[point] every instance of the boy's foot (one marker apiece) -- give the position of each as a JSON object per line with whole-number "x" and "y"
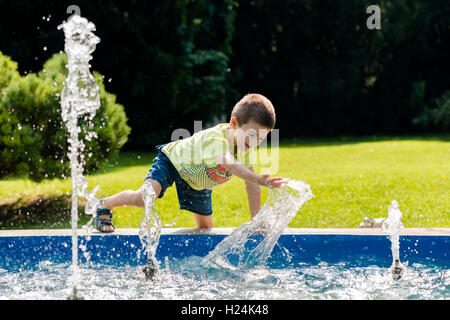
{"x": 103, "y": 220}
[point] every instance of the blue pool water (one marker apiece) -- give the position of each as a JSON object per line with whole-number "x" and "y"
{"x": 303, "y": 266}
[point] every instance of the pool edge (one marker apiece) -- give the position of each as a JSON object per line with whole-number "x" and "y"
{"x": 225, "y": 231}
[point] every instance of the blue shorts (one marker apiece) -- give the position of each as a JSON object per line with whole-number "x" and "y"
{"x": 163, "y": 171}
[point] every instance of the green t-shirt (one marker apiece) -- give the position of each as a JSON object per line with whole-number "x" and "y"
{"x": 194, "y": 157}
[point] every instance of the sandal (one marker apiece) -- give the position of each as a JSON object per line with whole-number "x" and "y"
{"x": 101, "y": 223}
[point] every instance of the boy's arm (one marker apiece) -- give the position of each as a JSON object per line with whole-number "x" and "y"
{"x": 238, "y": 169}
{"x": 254, "y": 197}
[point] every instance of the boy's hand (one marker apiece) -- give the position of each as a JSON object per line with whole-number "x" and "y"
{"x": 274, "y": 182}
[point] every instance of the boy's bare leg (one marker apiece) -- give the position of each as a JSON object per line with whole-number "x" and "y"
{"x": 203, "y": 221}
{"x": 127, "y": 198}
{"x": 124, "y": 199}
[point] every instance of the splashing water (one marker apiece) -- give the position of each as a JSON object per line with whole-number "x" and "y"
{"x": 79, "y": 97}
{"x": 252, "y": 242}
{"x": 392, "y": 225}
{"x": 149, "y": 229}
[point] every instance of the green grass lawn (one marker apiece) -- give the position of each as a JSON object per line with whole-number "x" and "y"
{"x": 350, "y": 179}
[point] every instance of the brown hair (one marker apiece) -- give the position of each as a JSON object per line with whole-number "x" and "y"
{"x": 255, "y": 107}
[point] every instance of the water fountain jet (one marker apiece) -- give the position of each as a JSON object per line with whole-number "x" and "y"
{"x": 392, "y": 225}
{"x": 79, "y": 97}
{"x": 149, "y": 230}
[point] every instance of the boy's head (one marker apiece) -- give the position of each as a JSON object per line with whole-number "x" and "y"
{"x": 254, "y": 116}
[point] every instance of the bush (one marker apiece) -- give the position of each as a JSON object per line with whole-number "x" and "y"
{"x": 33, "y": 137}
{"x": 436, "y": 118}
{"x": 8, "y": 71}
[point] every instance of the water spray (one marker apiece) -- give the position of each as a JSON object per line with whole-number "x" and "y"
{"x": 79, "y": 97}
{"x": 392, "y": 225}
{"x": 149, "y": 229}
{"x": 263, "y": 231}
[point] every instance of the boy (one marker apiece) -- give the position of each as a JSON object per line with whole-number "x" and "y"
{"x": 204, "y": 160}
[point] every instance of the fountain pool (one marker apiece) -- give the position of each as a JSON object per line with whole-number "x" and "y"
{"x": 304, "y": 264}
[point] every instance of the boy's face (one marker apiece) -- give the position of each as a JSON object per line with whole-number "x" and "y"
{"x": 249, "y": 135}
